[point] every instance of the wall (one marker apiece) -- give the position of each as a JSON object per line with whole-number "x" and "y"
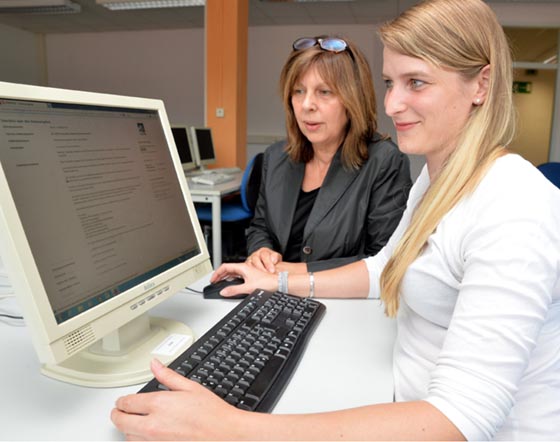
{"x": 527, "y": 13}
{"x": 535, "y": 115}
{"x": 22, "y": 59}
{"x": 154, "y": 64}
{"x": 536, "y": 14}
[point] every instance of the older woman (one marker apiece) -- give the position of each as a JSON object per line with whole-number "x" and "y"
{"x": 335, "y": 190}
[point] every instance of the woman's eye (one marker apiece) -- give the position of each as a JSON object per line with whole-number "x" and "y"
{"x": 415, "y": 84}
{"x": 388, "y": 83}
{"x": 324, "y": 92}
{"x": 297, "y": 92}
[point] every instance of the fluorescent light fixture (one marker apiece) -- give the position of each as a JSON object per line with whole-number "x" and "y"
{"x": 39, "y": 7}
{"x": 116, "y": 5}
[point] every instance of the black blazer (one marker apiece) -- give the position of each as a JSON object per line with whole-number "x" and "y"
{"x": 354, "y": 214}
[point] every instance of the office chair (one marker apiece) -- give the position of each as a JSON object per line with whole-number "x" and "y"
{"x": 551, "y": 171}
{"x": 239, "y": 211}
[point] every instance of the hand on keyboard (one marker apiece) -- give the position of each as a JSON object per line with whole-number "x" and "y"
{"x": 212, "y": 179}
{"x": 248, "y": 357}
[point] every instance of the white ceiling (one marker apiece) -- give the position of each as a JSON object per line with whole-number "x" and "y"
{"x": 95, "y": 18}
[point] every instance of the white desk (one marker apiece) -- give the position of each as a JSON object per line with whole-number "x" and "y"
{"x": 202, "y": 193}
{"x": 346, "y": 364}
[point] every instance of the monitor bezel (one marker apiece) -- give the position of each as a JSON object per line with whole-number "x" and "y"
{"x": 187, "y": 167}
{"x": 50, "y": 338}
{"x": 199, "y": 161}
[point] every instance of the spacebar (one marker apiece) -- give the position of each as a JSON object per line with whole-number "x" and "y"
{"x": 265, "y": 378}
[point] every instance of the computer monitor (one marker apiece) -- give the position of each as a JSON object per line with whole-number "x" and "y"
{"x": 96, "y": 228}
{"x": 203, "y": 146}
{"x": 181, "y": 138}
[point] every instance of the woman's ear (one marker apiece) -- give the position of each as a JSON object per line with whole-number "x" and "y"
{"x": 482, "y": 82}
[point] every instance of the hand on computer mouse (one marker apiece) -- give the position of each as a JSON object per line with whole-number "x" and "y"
{"x": 253, "y": 279}
{"x": 212, "y": 290}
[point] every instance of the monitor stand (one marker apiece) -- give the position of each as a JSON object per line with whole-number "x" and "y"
{"x": 197, "y": 172}
{"x": 123, "y": 357}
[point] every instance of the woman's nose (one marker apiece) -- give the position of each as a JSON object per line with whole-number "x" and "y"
{"x": 394, "y": 102}
{"x": 308, "y": 102}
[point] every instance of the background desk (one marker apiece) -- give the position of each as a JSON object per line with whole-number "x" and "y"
{"x": 353, "y": 332}
{"x": 203, "y": 193}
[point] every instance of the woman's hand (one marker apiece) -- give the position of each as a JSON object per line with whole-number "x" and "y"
{"x": 265, "y": 259}
{"x": 253, "y": 279}
{"x": 187, "y": 412}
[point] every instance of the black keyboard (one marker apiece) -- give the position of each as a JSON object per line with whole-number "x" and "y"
{"x": 249, "y": 356}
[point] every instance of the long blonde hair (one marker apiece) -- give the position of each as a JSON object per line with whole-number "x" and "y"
{"x": 349, "y": 76}
{"x": 464, "y": 36}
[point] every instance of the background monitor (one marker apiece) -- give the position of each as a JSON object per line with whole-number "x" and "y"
{"x": 96, "y": 228}
{"x": 203, "y": 146}
{"x": 181, "y": 138}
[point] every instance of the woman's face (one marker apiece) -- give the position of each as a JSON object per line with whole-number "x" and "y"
{"x": 429, "y": 106}
{"x": 320, "y": 115}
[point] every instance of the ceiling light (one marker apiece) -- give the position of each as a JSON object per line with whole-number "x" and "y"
{"x": 116, "y": 5}
{"x": 38, "y": 7}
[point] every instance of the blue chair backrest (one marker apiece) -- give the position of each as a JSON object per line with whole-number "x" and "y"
{"x": 250, "y": 182}
{"x": 551, "y": 171}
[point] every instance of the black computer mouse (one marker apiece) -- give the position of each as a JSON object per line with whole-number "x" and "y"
{"x": 212, "y": 291}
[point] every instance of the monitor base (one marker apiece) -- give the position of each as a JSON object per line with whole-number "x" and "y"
{"x": 123, "y": 358}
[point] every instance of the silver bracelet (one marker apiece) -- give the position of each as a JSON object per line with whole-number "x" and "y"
{"x": 311, "y": 285}
{"x": 283, "y": 282}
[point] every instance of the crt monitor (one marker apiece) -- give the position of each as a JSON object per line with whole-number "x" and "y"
{"x": 181, "y": 138}
{"x": 203, "y": 146}
{"x": 96, "y": 228}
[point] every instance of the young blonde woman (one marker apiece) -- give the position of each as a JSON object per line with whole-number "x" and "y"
{"x": 471, "y": 272}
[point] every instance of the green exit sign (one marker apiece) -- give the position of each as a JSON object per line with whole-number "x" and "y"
{"x": 522, "y": 87}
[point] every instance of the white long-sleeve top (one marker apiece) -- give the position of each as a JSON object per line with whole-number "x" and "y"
{"x": 479, "y": 316}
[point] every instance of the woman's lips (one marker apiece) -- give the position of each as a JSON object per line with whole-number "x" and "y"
{"x": 311, "y": 126}
{"x": 404, "y": 126}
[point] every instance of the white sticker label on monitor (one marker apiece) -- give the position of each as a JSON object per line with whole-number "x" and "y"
{"x": 172, "y": 344}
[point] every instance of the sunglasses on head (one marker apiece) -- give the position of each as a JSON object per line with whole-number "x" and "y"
{"x": 331, "y": 44}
